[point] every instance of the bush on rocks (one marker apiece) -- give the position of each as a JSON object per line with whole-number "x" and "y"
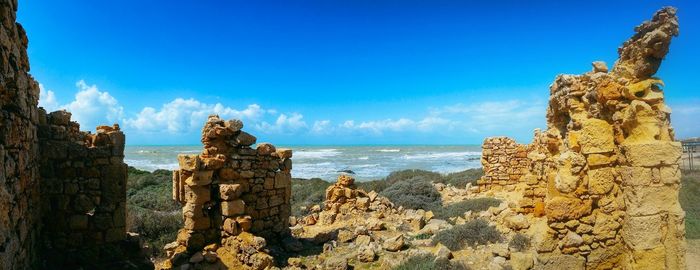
{"x": 519, "y": 242}
{"x": 413, "y": 193}
{"x": 459, "y": 208}
{"x": 429, "y": 262}
{"x": 472, "y": 233}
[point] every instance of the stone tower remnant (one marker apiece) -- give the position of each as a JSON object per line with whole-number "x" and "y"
{"x": 229, "y": 192}
{"x": 606, "y": 171}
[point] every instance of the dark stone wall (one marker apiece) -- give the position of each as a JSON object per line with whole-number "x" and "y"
{"x": 83, "y": 192}
{"x": 19, "y": 184}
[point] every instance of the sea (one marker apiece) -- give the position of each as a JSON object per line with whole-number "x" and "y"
{"x": 327, "y": 162}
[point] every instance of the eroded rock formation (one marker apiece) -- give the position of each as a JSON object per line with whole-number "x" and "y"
{"x": 606, "y": 172}
{"x": 230, "y": 193}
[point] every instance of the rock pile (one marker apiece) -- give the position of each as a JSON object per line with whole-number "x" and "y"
{"x": 344, "y": 199}
{"x": 605, "y": 174}
{"x": 229, "y": 192}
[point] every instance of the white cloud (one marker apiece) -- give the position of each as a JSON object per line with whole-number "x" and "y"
{"x": 492, "y": 115}
{"x": 380, "y": 126}
{"x": 93, "y": 107}
{"x": 284, "y": 124}
{"x": 184, "y": 115}
{"x": 47, "y": 99}
{"x": 90, "y": 107}
{"x": 322, "y": 127}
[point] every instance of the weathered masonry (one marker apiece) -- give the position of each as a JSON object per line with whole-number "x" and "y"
{"x": 229, "y": 193}
{"x": 62, "y": 191}
{"x": 606, "y": 172}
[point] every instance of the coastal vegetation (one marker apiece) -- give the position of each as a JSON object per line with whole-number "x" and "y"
{"x": 151, "y": 211}
{"x": 156, "y": 217}
{"x": 689, "y": 197}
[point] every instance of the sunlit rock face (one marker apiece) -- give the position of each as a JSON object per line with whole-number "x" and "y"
{"x": 606, "y": 170}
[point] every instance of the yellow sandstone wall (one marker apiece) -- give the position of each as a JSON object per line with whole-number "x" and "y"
{"x": 229, "y": 192}
{"x": 606, "y": 172}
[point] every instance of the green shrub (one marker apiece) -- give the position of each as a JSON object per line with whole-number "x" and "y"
{"x": 689, "y": 198}
{"x": 460, "y": 179}
{"x": 519, "y": 242}
{"x": 403, "y": 175}
{"x": 429, "y": 262}
{"x": 156, "y": 228}
{"x": 307, "y": 192}
{"x": 413, "y": 193}
{"x": 151, "y": 211}
{"x": 472, "y": 233}
{"x": 423, "y": 236}
{"x": 376, "y": 185}
{"x": 459, "y": 208}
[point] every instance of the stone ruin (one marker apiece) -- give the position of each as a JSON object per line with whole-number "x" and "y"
{"x": 504, "y": 161}
{"x": 230, "y": 192}
{"x": 605, "y": 174}
{"x": 62, "y": 191}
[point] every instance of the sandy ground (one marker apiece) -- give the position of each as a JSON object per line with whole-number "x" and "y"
{"x": 692, "y": 257}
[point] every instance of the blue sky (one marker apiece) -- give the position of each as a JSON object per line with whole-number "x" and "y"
{"x": 336, "y": 72}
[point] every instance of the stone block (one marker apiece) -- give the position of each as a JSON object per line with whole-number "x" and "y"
{"x": 265, "y": 149}
{"x": 601, "y": 181}
{"x": 276, "y": 200}
{"x": 644, "y": 232}
{"x": 193, "y": 210}
{"x": 596, "y": 136}
{"x": 670, "y": 174}
{"x": 284, "y": 153}
{"x": 269, "y": 183}
{"x": 232, "y": 208}
{"x": 565, "y": 208}
{"x": 650, "y": 200}
{"x": 635, "y": 176}
{"x": 283, "y": 179}
{"x": 229, "y": 192}
{"x": 200, "y": 178}
{"x": 560, "y": 262}
{"x": 176, "y": 186}
{"x": 200, "y": 223}
{"x": 245, "y": 139}
{"x": 648, "y": 259}
{"x": 231, "y": 227}
{"x": 189, "y": 162}
{"x": 197, "y": 194}
{"x": 598, "y": 159}
{"x": 228, "y": 174}
{"x": 652, "y": 154}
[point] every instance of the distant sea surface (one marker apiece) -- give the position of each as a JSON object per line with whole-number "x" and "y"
{"x": 326, "y": 162}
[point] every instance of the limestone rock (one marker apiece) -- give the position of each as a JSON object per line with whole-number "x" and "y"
{"x": 395, "y": 243}
{"x": 565, "y": 208}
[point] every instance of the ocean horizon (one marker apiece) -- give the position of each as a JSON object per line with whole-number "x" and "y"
{"x": 365, "y": 162}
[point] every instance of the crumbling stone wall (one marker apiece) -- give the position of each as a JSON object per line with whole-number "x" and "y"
{"x": 62, "y": 191}
{"x": 19, "y": 171}
{"x": 83, "y": 192}
{"x": 230, "y": 191}
{"x": 504, "y": 162}
{"x": 607, "y": 168}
